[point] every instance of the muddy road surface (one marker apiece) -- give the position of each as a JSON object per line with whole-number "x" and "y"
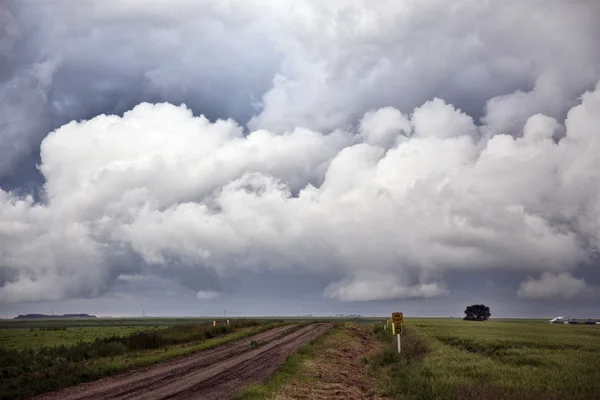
{"x": 210, "y": 374}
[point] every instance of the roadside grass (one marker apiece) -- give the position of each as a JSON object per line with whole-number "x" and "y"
{"x": 334, "y": 365}
{"x": 453, "y": 359}
{"x": 28, "y": 372}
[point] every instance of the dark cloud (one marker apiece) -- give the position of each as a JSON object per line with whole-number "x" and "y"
{"x": 61, "y": 62}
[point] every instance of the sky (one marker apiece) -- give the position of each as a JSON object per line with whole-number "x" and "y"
{"x": 279, "y": 157}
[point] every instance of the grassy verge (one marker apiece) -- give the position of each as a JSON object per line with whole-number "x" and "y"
{"x": 287, "y": 371}
{"x": 333, "y": 366}
{"x": 27, "y": 373}
{"x": 402, "y": 375}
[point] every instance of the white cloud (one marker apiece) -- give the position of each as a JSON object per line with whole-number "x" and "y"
{"x": 384, "y": 127}
{"x": 160, "y": 191}
{"x": 207, "y": 294}
{"x": 561, "y": 285}
{"x": 438, "y": 119}
{"x": 381, "y": 288}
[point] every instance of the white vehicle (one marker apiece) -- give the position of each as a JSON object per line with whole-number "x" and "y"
{"x": 559, "y": 320}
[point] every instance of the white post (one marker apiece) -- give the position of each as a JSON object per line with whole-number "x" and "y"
{"x": 399, "y": 347}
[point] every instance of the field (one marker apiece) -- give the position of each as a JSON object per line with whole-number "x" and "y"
{"x": 441, "y": 358}
{"x": 98, "y": 322}
{"x": 38, "y": 333}
{"x": 455, "y": 359}
{"x": 36, "y": 338}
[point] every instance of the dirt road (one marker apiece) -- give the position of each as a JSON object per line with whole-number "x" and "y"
{"x": 211, "y": 374}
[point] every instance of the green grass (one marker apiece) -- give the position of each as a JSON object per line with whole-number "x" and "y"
{"x": 494, "y": 360}
{"x": 35, "y": 338}
{"x": 99, "y": 322}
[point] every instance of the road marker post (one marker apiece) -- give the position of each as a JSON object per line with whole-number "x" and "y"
{"x": 397, "y": 322}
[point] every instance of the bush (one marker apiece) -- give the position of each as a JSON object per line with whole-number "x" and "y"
{"x": 111, "y": 349}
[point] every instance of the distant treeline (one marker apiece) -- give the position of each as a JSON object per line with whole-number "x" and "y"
{"x": 44, "y": 316}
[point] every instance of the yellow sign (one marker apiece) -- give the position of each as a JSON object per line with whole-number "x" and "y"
{"x": 397, "y": 321}
{"x": 397, "y": 318}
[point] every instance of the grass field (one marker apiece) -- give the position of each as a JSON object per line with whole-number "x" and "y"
{"x": 35, "y": 323}
{"x": 455, "y": 359}
{"x": 35, "y": 338}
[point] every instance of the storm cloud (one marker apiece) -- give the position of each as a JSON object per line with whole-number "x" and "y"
{"x": 381, "y": 146}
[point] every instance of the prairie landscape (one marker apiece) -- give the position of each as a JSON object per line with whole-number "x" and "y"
{"x": 304, "y": 169}
{"x": 441, "y": 358}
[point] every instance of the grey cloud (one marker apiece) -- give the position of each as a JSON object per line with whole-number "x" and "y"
{"x": 562, "y": 285}
{"x": 290, "y": 64}
{"x": 62, "y": 61}
{"x": 474, "y": 55}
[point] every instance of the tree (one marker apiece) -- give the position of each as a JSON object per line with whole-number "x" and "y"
{"x": 477, "y": 312}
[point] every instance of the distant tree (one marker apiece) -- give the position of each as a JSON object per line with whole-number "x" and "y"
{"x": 477, "y": 312}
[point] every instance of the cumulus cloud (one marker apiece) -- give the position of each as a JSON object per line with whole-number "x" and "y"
{"x": 162, "y": 191}
{"x": 386, "y": 144}
{"x": 207, "y": 294}
{"x": 386, "y": 287}
{"x": 562, "y": 285}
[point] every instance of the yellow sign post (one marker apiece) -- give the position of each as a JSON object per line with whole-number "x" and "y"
{"x": 397, "y": 321}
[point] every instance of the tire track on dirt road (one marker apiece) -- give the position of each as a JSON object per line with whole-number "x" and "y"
{"x": 110, "y": 387}
{"x": 211, "y": 374}
{"x": 247, "y": 368}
